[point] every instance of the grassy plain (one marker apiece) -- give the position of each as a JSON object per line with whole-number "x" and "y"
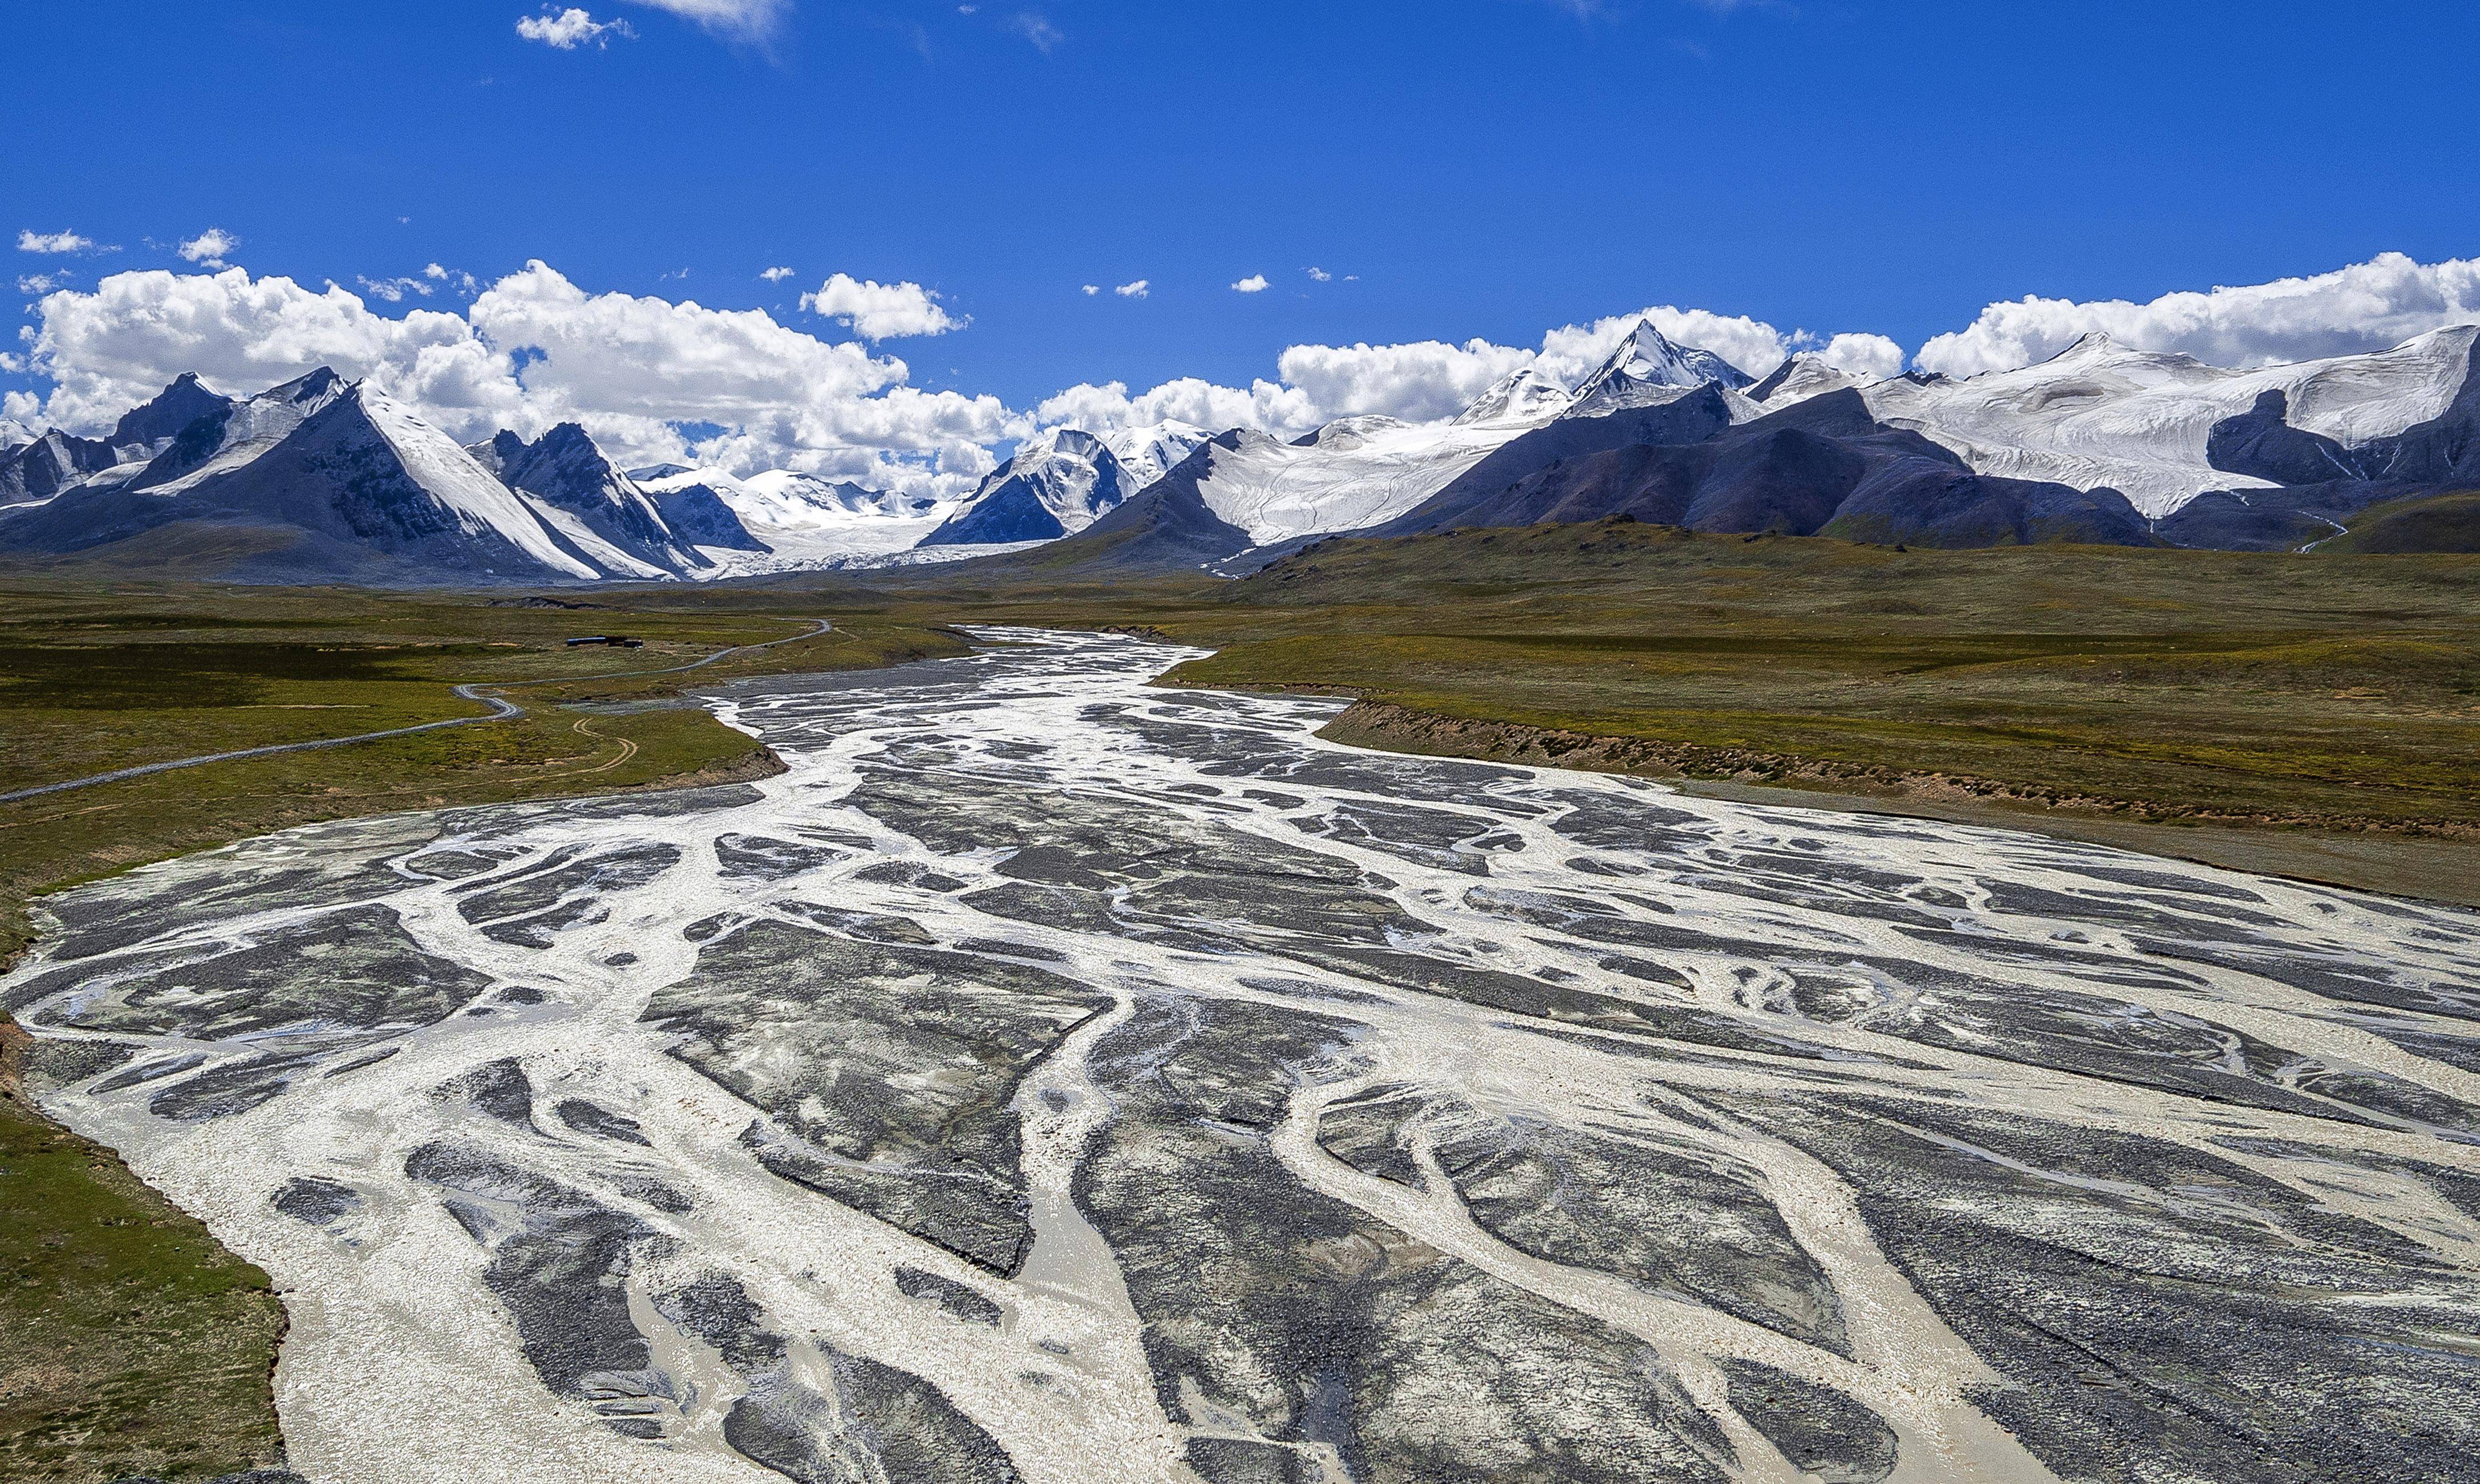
{"x": 2315, "y": 713}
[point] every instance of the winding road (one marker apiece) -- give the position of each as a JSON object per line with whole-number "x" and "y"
{"x": 502, "y": 710}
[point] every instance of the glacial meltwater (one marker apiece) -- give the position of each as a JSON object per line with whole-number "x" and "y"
{"x": 1059, "y": 1078}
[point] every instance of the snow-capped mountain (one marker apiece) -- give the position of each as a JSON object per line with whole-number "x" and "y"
{"x": 1524, "y": 397}
{"x": 2103, "y": 443}
{"x": 596, "y": 505}
{"x": 1244, "y": 488}
{"x": 1801, "y": 377}
{"x": 1647, "y": 370}
{"x": 1355, "y": 473}
{"x": 233, "y": 435}
{"x": 691, "y": 501}
{"x": 1147, "y": 453}
{"x": 2142, "y": 421}
{"x": 40, "y": 468}
{"x": 791, "y": 519}
{"x": 1820, "y": 466}
{"x": 36, "y": 467}
{"x": 157, "y": 421}
{"x": 1363, "y": 471}
{"x": 336, "y": 479}
{"x": 1057, "y": 483}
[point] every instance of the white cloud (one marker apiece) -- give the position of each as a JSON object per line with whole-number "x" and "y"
{"x": 1133, "y": 290}
{"x": 1418, "y": 382}
{"x": 1092, "y": 289}
{"x": 1871, "y": 355}
{"x": 110, "y": 349}
{"x": 393, "y": 290}
{"x": 54, "y": 241}
{"x": 742, "y": 17}
{"x": 881, "y": 311}
{"x": 1036, "y": 27}
{"x": 569, "y": 28}
{"x": 433, "y": 271}
{"x": 1255, "y": 283}
{"x": 2367, "y": 306}
{"x": 776, "y": 274}
{"x": 209, "y": 248}
{"x": 532, "y": 351}
{"x": 41, "y": 282}
{"x": 1263, "y": 404}
{"x": 1319, "y": 274}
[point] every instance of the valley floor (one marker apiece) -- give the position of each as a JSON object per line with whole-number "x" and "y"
{"x": 1051, "y": 1076}
{"x": 2312, "y": 716}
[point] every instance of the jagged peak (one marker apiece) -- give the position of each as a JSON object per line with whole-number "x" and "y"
{"x": 319, "y": 382}
{"x": 1649, "y": 358}
{"x": 1524, "y": 393}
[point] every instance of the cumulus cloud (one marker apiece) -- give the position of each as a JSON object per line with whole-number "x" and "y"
{"x": 2367, "y": 306}
{"x": 1869, "y": 355}
{"x": 776, "y": 274}
{"x": 1092, "y": 289}
{"x": 567, "y": 30}
{"x": 1134, "y": 291}
{"x": 653, "y": 380}
{"x": 1255, "y": 283}
{"x": 433, "y": 271}
{"x": 54, "y": 241}
{"x": 110, "y": 349}
{"x": 41, "y": 282}
{"x": 881, "y": 311}
{"x": 1262, "y": 405}
{"x": 1319, "y": 274}
{"x": 1419, "y": 381}
{"x": 209, "y": 248}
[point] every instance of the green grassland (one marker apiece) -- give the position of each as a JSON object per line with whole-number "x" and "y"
{"x": 2428, "y": 523}
{"x": 2310, "y": 713}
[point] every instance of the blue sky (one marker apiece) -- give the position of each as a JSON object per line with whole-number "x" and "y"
{"x": 1487, "y": 169}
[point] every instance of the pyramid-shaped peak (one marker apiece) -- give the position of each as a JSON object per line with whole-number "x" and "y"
{"x": 184, "y": 400}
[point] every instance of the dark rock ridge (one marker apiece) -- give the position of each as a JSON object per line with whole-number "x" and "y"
{"x": 1168, "y": 525}
{"x": 1821, "y": 467}
{"x": 1034, "y": 496}
{"x": 178, "y": 405}
{"x": 566, "y": 469}
{"x": 697, "y": 514}
{"x": 37, "y": 470}
{"x": 2325, "y": 483}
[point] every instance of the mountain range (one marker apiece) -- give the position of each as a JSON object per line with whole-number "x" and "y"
{"x": 325, "y": 480}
